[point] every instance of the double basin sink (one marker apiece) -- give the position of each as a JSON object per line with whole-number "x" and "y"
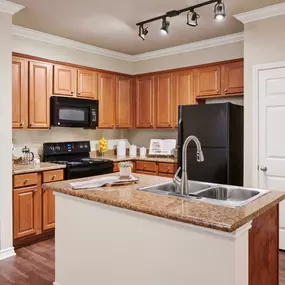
{"x": 224, "y": 195}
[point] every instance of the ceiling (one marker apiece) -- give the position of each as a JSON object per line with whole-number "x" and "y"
{"x": 113, "y": 26}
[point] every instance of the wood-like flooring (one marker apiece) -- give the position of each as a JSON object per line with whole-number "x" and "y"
{"x": 34, "y": 265}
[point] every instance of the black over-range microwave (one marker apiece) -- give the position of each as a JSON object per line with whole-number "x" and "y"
{"x": 73, "y": 112}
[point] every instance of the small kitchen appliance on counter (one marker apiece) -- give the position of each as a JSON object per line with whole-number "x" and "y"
{"x": 27, "y": 156}
{"x": 75, "y": 155}
{"x": 121, "y": 148}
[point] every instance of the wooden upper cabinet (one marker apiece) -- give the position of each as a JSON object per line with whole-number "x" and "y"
{"x": 87, "y": 84}
{"x": 123, "y": 102}
{"x": 26, "y": 211}
{"x": 64, "y": 80}
{"x": 183, "y": 91}
{"x": 144, "y": 102}
{"x": 207, "y": 81}
{"x": 232, "y": 78}
{"x": 107, "y": 100}
{"x": 40, "y": 89}
{"x": 20, "y": 93}
{"x": 163, "y": 97}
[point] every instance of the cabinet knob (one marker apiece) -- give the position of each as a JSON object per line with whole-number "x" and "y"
{"x": 21, "y": 124}
{"x": 35, "y": 191}
{"x": 168, "y": 169}
{"x": 112, "y": 125}
{"x": 26, "y": 181}
{"x": 31, "y": 124}
{"x": 151, "y": 124}
{"x": 226, "y": 90}
{"x": 71, "y": 92}
{"x": 118, "y": 125}
{"x": 176, "y": 126}
{"x": 218, "y": 91}
{"x": 79, "y": 93}
{"x": 169, "y": 125}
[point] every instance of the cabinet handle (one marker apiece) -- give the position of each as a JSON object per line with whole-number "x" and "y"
{"x": 26, "y": 181}
{"x": 53, "y": 177}
{"x": 226, "y": 90}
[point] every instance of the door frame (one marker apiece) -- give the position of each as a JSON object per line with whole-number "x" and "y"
{"x": 256, "y": 69}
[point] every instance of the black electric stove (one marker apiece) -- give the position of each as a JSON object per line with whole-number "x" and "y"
{"x": 75, "y": 155}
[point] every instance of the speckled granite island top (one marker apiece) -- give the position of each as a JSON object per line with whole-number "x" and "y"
{"x": 187, "y": 211}
{"x": 44, "y": 166}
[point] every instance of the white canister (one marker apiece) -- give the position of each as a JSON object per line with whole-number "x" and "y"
{"x": 133, "y": 150}
{"x": 121, "y": 148}
{"x": 142, "y": 152}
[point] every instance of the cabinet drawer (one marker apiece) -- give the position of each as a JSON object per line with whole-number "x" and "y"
{"x": 53, "y": 175}
{"x": 146, "y": 172}
{"x": 23, "y": 180}
{"x": 167, "y": 168}
{"x": 146, "y": 166}
{"x": 170, "y": 175}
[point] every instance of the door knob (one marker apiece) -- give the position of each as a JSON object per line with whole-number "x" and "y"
{"x": 263, "y": 168}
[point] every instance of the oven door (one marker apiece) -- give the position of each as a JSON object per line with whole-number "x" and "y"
{"x": 70, "y": 113}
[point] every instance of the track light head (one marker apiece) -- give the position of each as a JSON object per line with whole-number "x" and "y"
{"x": 142, "y": 32}
{"x": 164, "y": 27}
{"x": 220, "y": 11}
{"x": 192, "y": 18}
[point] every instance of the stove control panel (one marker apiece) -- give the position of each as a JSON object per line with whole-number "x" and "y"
{"x": 66, "y": 148}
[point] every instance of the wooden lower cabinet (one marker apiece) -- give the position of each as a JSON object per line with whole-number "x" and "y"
{"x": 26, "y": 211}
{"x": 48, "y": 209}
{"x": 33, "y": 207}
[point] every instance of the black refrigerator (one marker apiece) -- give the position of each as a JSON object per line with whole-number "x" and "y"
{"x": 219, "y": 127}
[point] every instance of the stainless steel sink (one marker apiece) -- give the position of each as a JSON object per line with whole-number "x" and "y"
{"x": 169, "y": 188}
{"x": 224, "y": 195}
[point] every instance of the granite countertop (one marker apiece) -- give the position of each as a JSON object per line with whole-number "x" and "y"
{"x": 188, "y": 211}
{"x": 132, "y": 158}
{"x": 22, "y": 169}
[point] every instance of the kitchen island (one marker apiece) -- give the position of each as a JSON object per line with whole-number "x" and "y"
{"x": 117, "y": 235}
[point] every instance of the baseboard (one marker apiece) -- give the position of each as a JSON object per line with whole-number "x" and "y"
{"x": 282, "y": 239}
{"x": 6, "y": 253}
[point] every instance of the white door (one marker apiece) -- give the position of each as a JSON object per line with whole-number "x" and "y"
{"x": 272, "y": 136}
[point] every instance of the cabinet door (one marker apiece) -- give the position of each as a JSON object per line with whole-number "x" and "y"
{"x": 48, "y": 209}
{"x": 107, "y": 100}
{"x": 123, "y": 102}
{"x": 183, "y": 92}
{"x": 87, "y": 84}
{"x": 26, "y": 211}
{"x": 163, "y": 97}
{"x": 144, "y": 102}
{"x": 232, "y": 77}
{"x": 208, "y": 81}
{"x": 64, "y": 80}
{"x": 40, "y": 81}
{"x": 20, "y": 93}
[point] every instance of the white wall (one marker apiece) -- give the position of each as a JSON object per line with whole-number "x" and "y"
{"x": 60, "y": 53}
{"x": 214, "y": 54}
{"x": 264, "y": 42}
{"x": 6, "y": 241}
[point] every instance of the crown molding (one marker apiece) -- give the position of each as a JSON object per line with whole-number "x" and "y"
{"x": 60, "y": 41}
{"x": 262, "y": 13}
{"x": 43, "y": 37}
{"x": 10, "y": 7}
{"x": 233, "y": 38}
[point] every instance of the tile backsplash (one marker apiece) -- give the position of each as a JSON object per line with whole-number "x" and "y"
{"x": 34, "y": 139}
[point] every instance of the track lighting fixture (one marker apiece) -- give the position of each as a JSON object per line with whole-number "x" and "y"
{"x": 164, "y": 27}
{"x": 220, "y": 11}
{"x": 192, "y": 16}
{"x": 142, "y": 32}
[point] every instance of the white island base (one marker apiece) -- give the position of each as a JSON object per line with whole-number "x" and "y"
{"x": 97, "y": 244}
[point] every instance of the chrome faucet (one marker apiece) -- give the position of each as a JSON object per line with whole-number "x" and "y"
{"x": 181, "y": 185}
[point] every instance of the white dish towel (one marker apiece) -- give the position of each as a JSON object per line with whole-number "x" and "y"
{"x": 99, "y": 182}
